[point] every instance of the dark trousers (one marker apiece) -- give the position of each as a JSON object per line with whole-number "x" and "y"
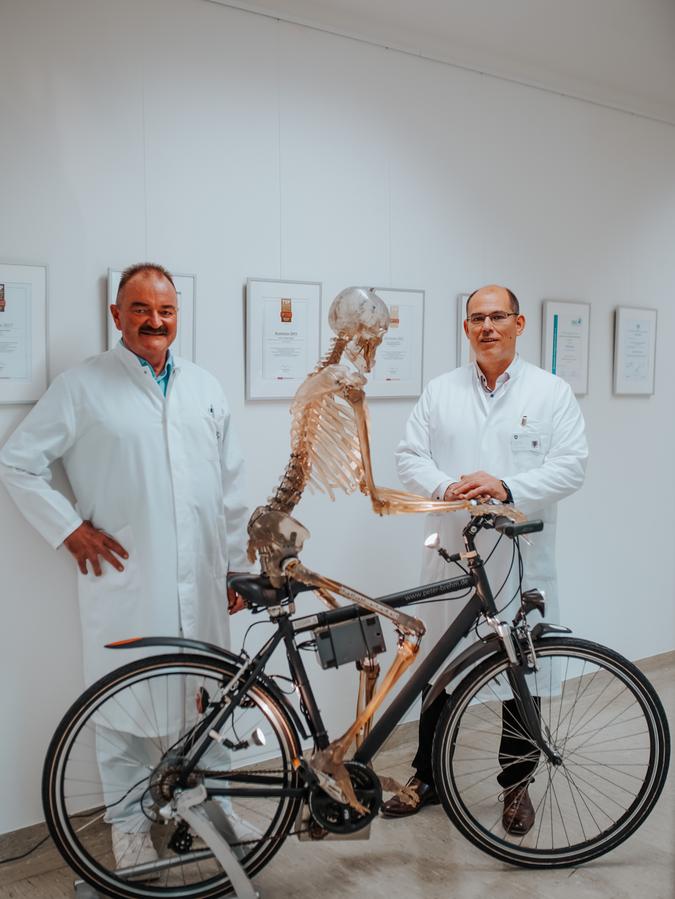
{"x": 517, "y": 756}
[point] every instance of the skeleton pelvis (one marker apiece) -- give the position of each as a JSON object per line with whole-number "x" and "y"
{"x": 275, "y": 536}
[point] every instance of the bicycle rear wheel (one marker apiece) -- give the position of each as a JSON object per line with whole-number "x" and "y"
{"x": 116, "y": 757}
{"x": 602, "y": 716}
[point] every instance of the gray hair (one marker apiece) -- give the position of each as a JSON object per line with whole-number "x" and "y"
{"x": 142, "y": 268}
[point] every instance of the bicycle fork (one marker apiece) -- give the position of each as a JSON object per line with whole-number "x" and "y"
{"x": 529, "y": 712}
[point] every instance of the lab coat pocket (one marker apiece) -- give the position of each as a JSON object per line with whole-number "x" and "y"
{"x": 533, "y": 438}
{"x": 529, "y": 446}
{"x": 110, "y": 608}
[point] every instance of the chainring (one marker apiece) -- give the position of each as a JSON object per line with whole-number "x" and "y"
{"x": 341, "y": 818}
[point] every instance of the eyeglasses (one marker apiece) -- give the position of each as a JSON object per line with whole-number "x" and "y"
{"x": 497, "y": 318}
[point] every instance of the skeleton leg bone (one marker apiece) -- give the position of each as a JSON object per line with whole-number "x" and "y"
{"x": 369, "y": 672}
{"x": 330, "y": 760}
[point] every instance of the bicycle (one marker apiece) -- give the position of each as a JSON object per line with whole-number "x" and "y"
{"x": 227, "y": 759}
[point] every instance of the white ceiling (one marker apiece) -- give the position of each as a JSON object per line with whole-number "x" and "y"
{"x": 617, "y": 52}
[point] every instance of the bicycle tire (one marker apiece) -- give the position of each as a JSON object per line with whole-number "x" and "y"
{"x": 607, "y": 723}
{"x": 166, "y": 696}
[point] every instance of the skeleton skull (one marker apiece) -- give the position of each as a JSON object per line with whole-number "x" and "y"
{"x": 359, "y": 316}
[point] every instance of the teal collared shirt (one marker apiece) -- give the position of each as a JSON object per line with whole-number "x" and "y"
{"x": 163, "y": 378}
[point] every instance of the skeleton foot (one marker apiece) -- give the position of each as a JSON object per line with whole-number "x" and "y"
{"x": 334, "y": 778}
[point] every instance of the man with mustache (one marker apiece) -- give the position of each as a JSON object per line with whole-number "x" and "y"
{"x": 502, "y": 428}
{"x": 146, "y": 442}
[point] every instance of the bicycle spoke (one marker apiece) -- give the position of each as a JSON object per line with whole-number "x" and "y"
{"x": 592, "y": 709}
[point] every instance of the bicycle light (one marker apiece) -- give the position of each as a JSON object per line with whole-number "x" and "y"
{"x": 433, "y": 541}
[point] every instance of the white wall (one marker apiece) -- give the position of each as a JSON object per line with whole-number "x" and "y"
{"x": 230, "y": 145}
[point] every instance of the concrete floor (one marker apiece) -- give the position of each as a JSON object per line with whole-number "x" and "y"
{"x": 423, "y": 857}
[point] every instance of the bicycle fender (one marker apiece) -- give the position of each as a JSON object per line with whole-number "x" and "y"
{"x": 181, "y": 642}
{"x": 466, "y": 659}
{"x": 214, "y": 650}
{"x": 477, "y": 651}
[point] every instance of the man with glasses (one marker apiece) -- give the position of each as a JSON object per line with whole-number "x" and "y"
{"x": 146, "y": 442}
{"x": 502, "y": 428}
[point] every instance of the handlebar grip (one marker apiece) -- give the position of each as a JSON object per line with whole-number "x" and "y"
{"x": 514, "y": 529}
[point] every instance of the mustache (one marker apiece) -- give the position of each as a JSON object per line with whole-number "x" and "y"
{"x": 156, "y": 331}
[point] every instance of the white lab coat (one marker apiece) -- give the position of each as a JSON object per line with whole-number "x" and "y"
{"x": 162, "y": 476}
{"x": 530, "y": 434}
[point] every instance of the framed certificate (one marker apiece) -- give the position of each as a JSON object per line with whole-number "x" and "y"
{"x": 184, "y": 344}
{"x": 283, "y": 323}
{"x": 465, "y": 353}
{"x": 565, "y": 342}
{"x": 634, "y": 350}
{"x": 23, "y": 333}
{"x": 398, "y": 362}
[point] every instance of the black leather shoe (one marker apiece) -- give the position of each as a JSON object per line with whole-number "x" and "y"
{"x": 518, "y": 814}
{"x": 412, "y": 798}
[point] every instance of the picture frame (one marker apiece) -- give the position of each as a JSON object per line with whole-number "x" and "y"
{"x": 23, "y": 333}
{"x": 566, "y": 340}
{"x": 465, "y": 353}
{"x": 184, "y": 344}
{"x": 283, "y": 331}
{"x": 634, "y": 351}
{"x": 398, "y": 362}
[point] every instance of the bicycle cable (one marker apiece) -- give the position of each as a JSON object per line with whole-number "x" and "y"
{"x": 504, "y": 582}
{"x": 521, "y": 572}
{"x": 17, "y": 858}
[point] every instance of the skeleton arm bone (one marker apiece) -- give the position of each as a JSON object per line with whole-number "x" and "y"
{"x": 387, "y": 501}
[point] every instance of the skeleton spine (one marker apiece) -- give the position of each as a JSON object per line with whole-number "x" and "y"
{"x": 298, "y": 472}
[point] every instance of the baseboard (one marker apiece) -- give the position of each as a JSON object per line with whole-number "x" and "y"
{"x": 657, "y": 663}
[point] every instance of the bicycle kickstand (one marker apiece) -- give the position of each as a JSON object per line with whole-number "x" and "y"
{"x": 84, "y": 891}
{"x": 188, "y": 807}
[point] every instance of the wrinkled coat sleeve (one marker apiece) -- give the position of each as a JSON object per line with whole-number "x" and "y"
{"x": 46, "y": 433}
{"x": 564, "y": 467}
{"x": 415, "y": 465}
{"x": 234, "y": 491}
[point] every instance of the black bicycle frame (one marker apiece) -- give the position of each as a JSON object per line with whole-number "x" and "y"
{"x": 287, "y": 631}
{"x": 481, "y": 602}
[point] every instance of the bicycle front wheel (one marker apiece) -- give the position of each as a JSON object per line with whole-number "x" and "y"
{"x": 605, "y": 721}
{"x": 116, "y": 758}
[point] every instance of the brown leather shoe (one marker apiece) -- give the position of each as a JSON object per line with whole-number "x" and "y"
{"x": 412, "y": 798}
{"x": 518, "y": 814}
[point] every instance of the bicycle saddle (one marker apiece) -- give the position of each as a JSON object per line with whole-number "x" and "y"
{"x": 258, "y": 592}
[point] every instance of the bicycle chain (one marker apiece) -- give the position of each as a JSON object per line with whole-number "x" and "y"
{"x": 224, "y": 774}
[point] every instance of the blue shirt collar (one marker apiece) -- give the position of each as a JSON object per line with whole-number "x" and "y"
{"x": 163, "y": 377}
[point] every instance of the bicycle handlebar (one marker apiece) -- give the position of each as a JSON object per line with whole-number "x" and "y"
{"x": 515, "y": 529}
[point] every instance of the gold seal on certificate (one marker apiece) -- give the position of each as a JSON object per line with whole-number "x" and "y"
{"x": 286, "y": 310}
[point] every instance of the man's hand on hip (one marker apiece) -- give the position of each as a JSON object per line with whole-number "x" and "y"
{"x": 88, "y": 544}
{"x": 477, "y": 485}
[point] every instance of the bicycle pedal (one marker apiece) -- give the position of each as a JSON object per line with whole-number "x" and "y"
{"x": 309, "y": 831}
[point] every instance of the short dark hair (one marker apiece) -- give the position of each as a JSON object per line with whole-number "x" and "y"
{"x": 142, "y": 268}
{"x": 513, "y": 299}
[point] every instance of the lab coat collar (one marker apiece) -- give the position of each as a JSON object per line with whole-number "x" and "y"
{"x": 509, "y": 374}
{"x": 130, "y": 359}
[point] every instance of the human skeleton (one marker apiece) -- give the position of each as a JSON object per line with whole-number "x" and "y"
{"x": 330, "y": 450}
